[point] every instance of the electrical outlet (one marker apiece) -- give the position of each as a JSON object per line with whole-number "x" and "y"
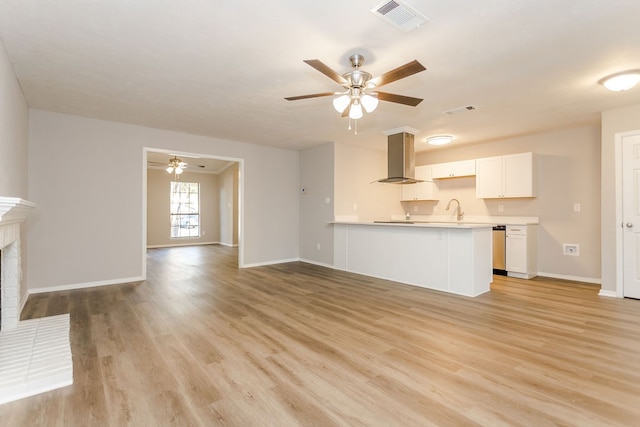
{"x": 571, "y": 249}
{"x": 415, "y": 209}
{"x": 327, "y": 200}
{"x": 577, "y": 207}
{"x": 318, "y": 246}
{"x": 500, "y": 208}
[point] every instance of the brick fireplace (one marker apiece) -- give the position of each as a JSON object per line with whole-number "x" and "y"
{"x": 13, "y": 212}
{"x": 35, "y": 354}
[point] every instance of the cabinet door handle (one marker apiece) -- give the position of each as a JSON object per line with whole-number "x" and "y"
{"x": 629, "y": 225}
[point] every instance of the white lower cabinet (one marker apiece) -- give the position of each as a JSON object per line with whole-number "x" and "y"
{"x": 421, "y": 190}
{"x": 521, "y": 259}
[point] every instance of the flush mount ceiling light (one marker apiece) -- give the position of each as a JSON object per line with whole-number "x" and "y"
{"x": 439, "y": 139}
{"x": 361, "y": 87}
{"x": 621, "y": 81}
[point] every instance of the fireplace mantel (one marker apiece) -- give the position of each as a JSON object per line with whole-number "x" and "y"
{"x": 15, "y": 209}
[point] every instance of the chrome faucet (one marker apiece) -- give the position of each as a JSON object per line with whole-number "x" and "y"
{"x": 459, "y": 213}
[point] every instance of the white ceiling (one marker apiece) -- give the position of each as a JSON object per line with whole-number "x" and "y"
{"x": 223, "y": 68}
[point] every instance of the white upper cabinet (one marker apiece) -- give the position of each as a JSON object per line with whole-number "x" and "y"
{"x": 505, "y": 176}
{"x": 453, "y": 169}
{"x": 421, "y": 190}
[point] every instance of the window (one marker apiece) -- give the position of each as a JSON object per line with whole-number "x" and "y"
{"x": 185, "y": 209}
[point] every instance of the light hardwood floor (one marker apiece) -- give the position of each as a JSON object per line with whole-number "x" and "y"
{"x": 203, "y": 343}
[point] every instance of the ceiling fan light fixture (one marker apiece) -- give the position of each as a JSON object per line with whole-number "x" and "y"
{"x": 439, "y": 139}
{"x": 341, "y": 102}
{"x": 369, "y": 102}
{"x": 176, "y": 166}
{"x": 355, "y": 112}
{"x": 621, "y": 81}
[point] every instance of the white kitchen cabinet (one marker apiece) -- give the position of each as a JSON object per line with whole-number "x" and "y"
{"x": 505, "y": 176}
{"x": 421, "y": 190}
{"x": 453, "y": 169}
{"x": 521, "y": 258}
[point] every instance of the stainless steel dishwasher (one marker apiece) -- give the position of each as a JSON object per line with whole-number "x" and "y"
{"x": 499, "y": 252}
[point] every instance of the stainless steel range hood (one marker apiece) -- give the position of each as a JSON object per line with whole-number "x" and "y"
{"x": 401, "y": 163}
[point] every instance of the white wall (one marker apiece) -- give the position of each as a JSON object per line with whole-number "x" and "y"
{"x": 613, "y": 122}
{"x": 13, "y": 132}
{"x": 355, "y": 170}
{"x": 86, "y": 176}
{"x": 568, "y": 172}
{"x": 316, "y": 177}
{"x": 228, "y": 207}
{"x": 158, "y": 206}
{"x": 14, "y": 126}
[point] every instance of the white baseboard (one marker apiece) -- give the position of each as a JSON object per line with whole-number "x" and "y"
{"x": 321, "y": 264}
{"x": 607, "y": 293}
{"x": 172, "y": 245}
{"x": 229, "y": 245}
{"x": 274, "y": 262}
{"x": 520, "y": 275}
{"x": 85, "y": 285}
{"x": 23, "y": 303}
{"x": 593, "y": 280}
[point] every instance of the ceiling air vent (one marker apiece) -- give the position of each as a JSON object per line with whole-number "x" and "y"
{"x": 459, "y": 110}
{"x": 399, "y": 15}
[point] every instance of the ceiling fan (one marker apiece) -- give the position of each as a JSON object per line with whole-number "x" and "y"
{"x": 175, "y": 165}
{"x": 360, "y": 87}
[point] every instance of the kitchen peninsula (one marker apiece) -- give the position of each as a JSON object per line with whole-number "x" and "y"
{"x": 449, "y": 257}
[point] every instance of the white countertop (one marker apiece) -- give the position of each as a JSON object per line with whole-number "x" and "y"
{"x": 420, "y": 224}
{"x": 419, "y": 220}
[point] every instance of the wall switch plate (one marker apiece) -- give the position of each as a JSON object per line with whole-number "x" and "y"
{"x": 318, "y": 246}
{"x": 327, "y": 200}
{"x": 577, "y": 207}
{"x": 571, "y": 249}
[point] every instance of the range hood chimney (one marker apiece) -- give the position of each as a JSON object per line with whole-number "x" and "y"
{"x": 401, "y": 163}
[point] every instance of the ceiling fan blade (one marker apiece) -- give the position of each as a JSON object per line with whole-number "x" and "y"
{"x": 399, "y": 99}
{"x": 324, "y": 69}
{"x": 401, "y": 72}
{"x": 313, "y": 95}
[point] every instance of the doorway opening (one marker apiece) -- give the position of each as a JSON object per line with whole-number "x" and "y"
{"x": 219, "y": 205}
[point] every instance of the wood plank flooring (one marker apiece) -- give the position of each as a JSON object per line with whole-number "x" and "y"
{"x": 202, "y": 343}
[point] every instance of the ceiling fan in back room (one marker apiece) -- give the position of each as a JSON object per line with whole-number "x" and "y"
{"x": 175, "y": 165}
{"x": 361, "y": 87}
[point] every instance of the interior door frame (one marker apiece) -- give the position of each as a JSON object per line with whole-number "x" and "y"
{"x": 619, "y": 137}
{"x": 240, "y": 195}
